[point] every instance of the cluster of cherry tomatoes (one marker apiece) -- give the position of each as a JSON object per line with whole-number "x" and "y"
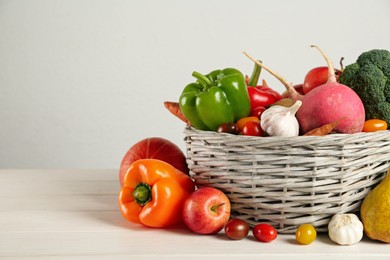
{"x": 238, "y": 229}
{"x": 244, "y": 126}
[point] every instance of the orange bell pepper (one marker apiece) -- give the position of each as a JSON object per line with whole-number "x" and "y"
{"x": 153, "y": 193}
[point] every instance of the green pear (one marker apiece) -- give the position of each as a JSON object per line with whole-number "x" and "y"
{"x": 375, "y": 211}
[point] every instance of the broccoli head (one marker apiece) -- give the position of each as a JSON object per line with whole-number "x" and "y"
{"x": 369, "y": 77}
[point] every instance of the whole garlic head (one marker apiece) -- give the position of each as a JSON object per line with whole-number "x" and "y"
{"x": 281, "y": 121}
{"x": 345, "y": 229}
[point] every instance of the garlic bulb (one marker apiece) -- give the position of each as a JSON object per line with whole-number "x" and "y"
{"x": 345, "y": 229}
{"x": 281, "y": 121}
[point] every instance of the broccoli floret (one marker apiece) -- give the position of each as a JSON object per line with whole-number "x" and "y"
{"x": 369, "y": 77}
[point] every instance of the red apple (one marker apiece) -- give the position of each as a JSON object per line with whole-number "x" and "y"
{"x": 206, "y": 211}
{"x": 154, "y": 148}
{"x": 316, "y": 77}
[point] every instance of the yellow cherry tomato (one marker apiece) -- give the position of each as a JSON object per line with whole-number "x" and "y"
{"x": 373, "y": 125}
{"x": 305, "y": 234}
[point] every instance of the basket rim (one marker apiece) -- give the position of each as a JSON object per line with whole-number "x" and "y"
{"x": 189, "y": 129}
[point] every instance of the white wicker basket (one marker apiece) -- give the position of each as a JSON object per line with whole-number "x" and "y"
{"x": 288, "y": 181}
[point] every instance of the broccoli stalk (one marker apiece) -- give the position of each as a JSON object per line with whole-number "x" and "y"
{"x": 369, "y": 77}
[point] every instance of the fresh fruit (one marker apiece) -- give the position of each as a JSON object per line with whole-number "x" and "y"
{"x": 252, "y": 128}
{"x": 260, "y": 95}
{"x": 216, "y": 98}
{"x": 242, "y": 121}
{"x": 236, "y": 229}
{"x": 327, "y": 103}
{"x": 206, "y": 211}
{"x": 375, "y": 211}
{"x": 264, "y": 232}
{"x": 373, "y": 125}
{"x": 154, "y": 193}
{"x": 316, "y": 77}
{"x": 230, "y": 128}
{"x": 153, "y": 148}
{"x": 257, "y": 111}
{"x": 305, "y": 234}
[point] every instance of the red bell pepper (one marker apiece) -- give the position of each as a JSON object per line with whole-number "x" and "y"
{"x": 261, "y": 96}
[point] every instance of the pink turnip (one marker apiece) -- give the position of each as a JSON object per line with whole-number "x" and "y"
{"x": 327, "y": 103}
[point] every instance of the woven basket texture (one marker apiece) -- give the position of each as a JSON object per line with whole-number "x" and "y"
{"x": 288, "y": 181}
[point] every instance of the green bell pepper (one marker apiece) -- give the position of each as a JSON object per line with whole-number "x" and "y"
{"x": 216, "y": 98}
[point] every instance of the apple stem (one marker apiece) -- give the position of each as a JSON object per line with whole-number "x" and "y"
{"x": 215, "y": 207}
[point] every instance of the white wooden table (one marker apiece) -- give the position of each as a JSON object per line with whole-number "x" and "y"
{"x": 73, "y": 214}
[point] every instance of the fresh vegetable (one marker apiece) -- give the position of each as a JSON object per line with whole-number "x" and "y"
{"x": 252, "y": 128}
{"x": 373, "y": 125}
{"x": 369, "y": 77}
{"x": 345, "y": 229}
{"x": 298, "y": 88}
{"x": 153, "y": 148}
{"x": 216, "y": 98}
{"x": 174, "y": 108}
{"x": 264, "y": 232}
{"x": 326, "y": 103}
{"x": 230, "y": 128}
{"x": 317, "y": 77}
{"x": 257, "y": 111}
{"x": 206, "y": 211}
{"x": 241, "y": 122}
{"x": 236, "y": 229}
{"x": 323, "y": 130}
{"x": 153, "y": 193}
{"x": 286, "y": 102}
{"x": 261, "y": 96}
{"x": 305, "y": 234}
{"x": 281, "y": 120}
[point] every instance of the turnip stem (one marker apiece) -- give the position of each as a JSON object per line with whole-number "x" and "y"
{"x": 291, "y": 90}
{"x": 331, "y": 72}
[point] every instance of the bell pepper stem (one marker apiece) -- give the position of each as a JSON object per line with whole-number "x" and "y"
{"x": 254, "y": 79}
{"x": 205, "y": 81}
{"x": 142, "y": 193}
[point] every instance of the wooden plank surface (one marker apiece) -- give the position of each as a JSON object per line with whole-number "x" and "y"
{"x": 73, "y": 214}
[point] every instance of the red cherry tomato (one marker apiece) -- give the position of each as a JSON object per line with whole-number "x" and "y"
{"x": 241, "y": 122}
{"x": 373, "y": 125}
{"x": 230, "y": 128}
{"x": 264, "y": 232}
{"x": 236, "y": 229}
{"x": 252, "y": 128}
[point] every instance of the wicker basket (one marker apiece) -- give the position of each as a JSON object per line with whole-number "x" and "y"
{"x": 288, "y": 181}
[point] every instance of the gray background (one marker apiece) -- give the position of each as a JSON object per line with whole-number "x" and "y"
{"x": 82, "y": 81}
